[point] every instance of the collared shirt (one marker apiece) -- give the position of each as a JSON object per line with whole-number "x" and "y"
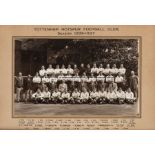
{"x": 61, "y": 77}
{"x": 92, "y": 79}
{"x": 129, "y": 95}
{"x": 53, "y": 79}
{"x": 45, "y": 80}
{"x": 119, "y": 79}
{"x": 111, "y": 95}
{"x": 76, "y": 78}
{"x": 36, "y": 79}
{"x": 94, "y": 94}
{"x": 100, "y": 70}
{"x": 109, "y": 78}
{"x": 42, "y": 72}
{"x": 70, "y": 70}
{"x": 37, "y": 95}
{"x": 122, "y": 71}
{"x": 57, "y": 71}
{"x": 65, "y": 95}
{"x": 50, "y": 70}
{"x": 103, "y": 94}
{"x": 75, "y": 94}
{"x": 107, "y": 70}
{"x": 94, "y": 70}
{"x": 84, "y": 95}
{"x": 120, "y": 94}
{"x": 100, "y": 78}
{"x": 114, "y": 70}
{"x": 63, "y": 70}
{"x": 84, "y": 78}
{"x": 56, "y": 94}
{"x": 46, "y": 94}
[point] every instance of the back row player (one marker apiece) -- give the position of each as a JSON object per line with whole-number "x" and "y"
{"x": 88, "y": 70}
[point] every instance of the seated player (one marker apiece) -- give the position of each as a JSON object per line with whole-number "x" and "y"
{"x": 45, "y": 79}
{"x": 120, "y": 96}
{"x": 84, "y": 96}
{"x": 114, "y": 70}
{"x": 94, "y": 96}
{"x": 63, "y": 70}
{"x": 46, "y": 95}
{"x": 69, "y": 69}
{"x": 129, "y": 96}
{"x": 42, "y": 71}
{"x": 94, "y": 69}
{"x": 111, "y": 97}
{"x": 57, "y": 70}
{"x": 122, "y": 70}
{"x": 100, "y": 69}
{"x": 107, "y": 69}
{"x": 75, "y": 70}
{"x": 55, "y": 97}
{"x": 65, "y": 97}
{"x": 113, "y": 86}
{"x": 37, "y": 97}
{"x": 75, "y": 96}
{"x": 102, "y": 96}
{"x": 63, "y": 87}
{"x": 36, "y": 81}
{"x": 119, "y": 80}
{"x": 50, "y": 70}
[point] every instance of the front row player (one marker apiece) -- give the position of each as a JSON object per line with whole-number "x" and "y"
{"x": 104, "y": 96}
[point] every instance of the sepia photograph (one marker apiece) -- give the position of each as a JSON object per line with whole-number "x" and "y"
{"x": 76, "y": 77}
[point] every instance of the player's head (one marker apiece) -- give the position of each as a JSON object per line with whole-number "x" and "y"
{"x": 69, "y": 66}
{"x": 37, "y": 74}
{"x": 84, "y": 74}
{"x": 20, "y": 73}
{"x": 108, "y": 66}
{"x": 29, "y": 76}
{"x": 119, "y": 89}
{"x": 94, "y": 90}
{"x": 46, "y": 89}
{"x": 121, "y": 65}
{"x": 88, "y": 65}
{"x": 114, "y": 65}
{"x": 57, "y": 66}
{"x": 94, "y": 65}
{"x": 75, "y": 65}
{"x": 63, "y": 66}
{"x": 129, "y": 90}
{"x": 132, "y": 73}
{"x": 101, "y": 65}
{"x": 38, "y": 90}
{"x": 50, "y": 66}
{"x": 75, "y": 90}
{"x": 42, "y": 67}
{"x": 82, "y": 65}
{"x": 92, "y": 74}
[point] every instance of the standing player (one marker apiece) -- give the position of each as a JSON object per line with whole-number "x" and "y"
{"x": 102, "y": 96}
{"x": 75, "y": 70}
{"x": 50, "y": 70}
{"x": 63, "y": 87}
{"x": 36, "y": 81}
{"x": 133, "y": 83}
{"x": 88, "y": 70}
{"x": 19, "y": 86}
{"x": 107, "y": 69}
{"x": 122, "y": 70}
{"x": 52, "y": 82}
{"x": 100, "y": 81}
{"x": 42, "y": 71}
{"x": 63, "y": 70}
{"x": 76, "y": 80}
{"x": 69, "y": 69}
{"x": 114, "y": 70}
{"x": 109, "y": 80}
{"x": 92, "y": 82}
{"x": 94, "y": 69}
{"x": 45, "y": 79}
{"x": 100, "y": 69}
{"x": 82, "y": 69}
{"x": 28, "y": 88}
{"x": 119, "y": 80}
{"x": 57, "y": 70}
